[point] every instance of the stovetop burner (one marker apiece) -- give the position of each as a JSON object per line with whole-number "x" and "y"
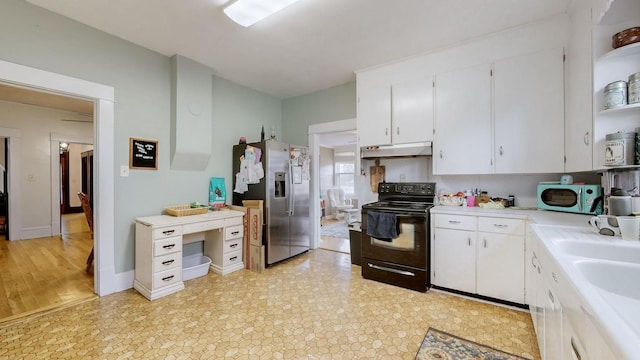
{"x": 406, "y": 197}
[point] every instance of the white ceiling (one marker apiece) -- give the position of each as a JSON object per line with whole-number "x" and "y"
{"x": 309, "y": 46}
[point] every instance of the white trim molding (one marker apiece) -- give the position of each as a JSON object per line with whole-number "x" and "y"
{"x": 105, "y": 281}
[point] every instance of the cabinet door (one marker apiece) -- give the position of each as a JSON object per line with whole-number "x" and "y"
{"x": 412, "y": 111}
{"x": 579, "y": 117}
{"x": 500, "y": 272}
{"x": 462, "y": 141}
{"x": 552, "y": 325}
{"x": 374, "y": 115}
{"x": 529, "y": 113}
{"x": 454, "y": 259}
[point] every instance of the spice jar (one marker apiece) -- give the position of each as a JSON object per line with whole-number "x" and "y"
{"x": 615, "y": 94}
{"x": 634, "y": 88}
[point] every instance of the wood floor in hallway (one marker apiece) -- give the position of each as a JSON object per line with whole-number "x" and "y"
{"x": 39, "y": 275}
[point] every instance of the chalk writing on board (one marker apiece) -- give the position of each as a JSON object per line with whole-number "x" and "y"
{"x": 143, "y": 154}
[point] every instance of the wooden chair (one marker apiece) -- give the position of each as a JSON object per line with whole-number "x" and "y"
{"x": 88, "y": 213}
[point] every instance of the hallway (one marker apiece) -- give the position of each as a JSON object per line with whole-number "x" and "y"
{"x": 39, "y": 275}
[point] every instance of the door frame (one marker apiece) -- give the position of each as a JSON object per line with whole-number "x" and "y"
{"x": 314, "y": 144}
{"x": 105, "y": 279}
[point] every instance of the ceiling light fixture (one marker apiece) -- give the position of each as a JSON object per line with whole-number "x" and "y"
{"x": 249, "y": 12}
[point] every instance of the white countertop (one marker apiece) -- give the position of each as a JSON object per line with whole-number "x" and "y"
{"x": 168, "y": 220}
{"x": 537, "y": 216}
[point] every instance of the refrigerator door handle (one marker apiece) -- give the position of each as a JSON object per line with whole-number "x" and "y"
{"x": 291, "y": 192}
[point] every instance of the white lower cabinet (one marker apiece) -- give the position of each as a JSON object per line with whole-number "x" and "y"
{"x": 479, "y": 255}
{"x": 564, "y": 327}
{"x": 455, "y": 265}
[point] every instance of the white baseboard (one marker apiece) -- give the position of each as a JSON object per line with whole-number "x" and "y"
{"x": 124, "y": 281}
{"x": 35, "y": 232}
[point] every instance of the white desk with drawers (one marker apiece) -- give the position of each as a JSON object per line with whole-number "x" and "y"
{"x": 159, "y": 241}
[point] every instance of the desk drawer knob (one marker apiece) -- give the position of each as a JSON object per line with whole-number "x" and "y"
{"x": 170, "y": 246}
{"x": 168, "y": 262}
{"x": 168, "y": 232}
{"x": 168, "y": 278}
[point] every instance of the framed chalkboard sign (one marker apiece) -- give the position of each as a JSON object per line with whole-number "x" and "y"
{"x": 143, "y": 154}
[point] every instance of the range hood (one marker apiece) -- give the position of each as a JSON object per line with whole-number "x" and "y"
{"x": 391, "y": 151}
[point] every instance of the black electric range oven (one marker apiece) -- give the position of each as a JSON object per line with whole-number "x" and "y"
{"x": 403, "y": 260}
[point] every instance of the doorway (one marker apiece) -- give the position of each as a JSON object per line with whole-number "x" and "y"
{"x": 336, "y": 132}
{"x": 106, "y": 281}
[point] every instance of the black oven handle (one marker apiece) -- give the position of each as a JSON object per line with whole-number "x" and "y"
{"x": 384, "y": 268}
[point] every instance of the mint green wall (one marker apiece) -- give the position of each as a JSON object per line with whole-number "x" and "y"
{"x": 333, "y": 104}
{"x": 142, "y": 80}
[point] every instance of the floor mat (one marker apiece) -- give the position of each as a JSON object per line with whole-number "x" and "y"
{"x": 439, "y": 345}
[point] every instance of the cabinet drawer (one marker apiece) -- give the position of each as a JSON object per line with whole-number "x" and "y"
{"x": 202, "y": 226}
{"x": 233, "y": 232}
{"x": 167, "y": 277}
{"x": 238, "y": 220}
{"x": 165, "y": 262}
{"x": 167, "y": 246}
{"x": 232, "y": 258}
{"x": 232, "y": 245}
{"x": 459, "y": 222}
{"x": 165, "y": 232}
{"x": 501, "y": 226}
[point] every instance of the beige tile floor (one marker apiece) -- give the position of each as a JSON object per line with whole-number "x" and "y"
{"x": 315, "y": 306}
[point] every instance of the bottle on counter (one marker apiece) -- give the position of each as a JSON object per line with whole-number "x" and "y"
{"x": 511, "y": 200}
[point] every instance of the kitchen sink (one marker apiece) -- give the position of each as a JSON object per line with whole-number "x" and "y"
{"x": 615, "y": 277}
{"x": 605, "y": 251}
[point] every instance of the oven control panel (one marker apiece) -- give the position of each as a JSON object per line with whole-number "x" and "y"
{"x": 407, "y": 188}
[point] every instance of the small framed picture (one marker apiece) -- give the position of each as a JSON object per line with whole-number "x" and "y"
{"x": 143, "y": 154}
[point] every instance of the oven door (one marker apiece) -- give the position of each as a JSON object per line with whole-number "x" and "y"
{"x": 408, "y": 249}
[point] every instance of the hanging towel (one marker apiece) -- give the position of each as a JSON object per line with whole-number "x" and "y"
{"x": 382, "y": 226}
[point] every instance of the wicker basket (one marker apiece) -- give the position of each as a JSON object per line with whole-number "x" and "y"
{"x": 184, "y": 210}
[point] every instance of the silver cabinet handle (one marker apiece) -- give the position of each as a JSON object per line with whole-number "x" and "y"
{"x": 501, "y": 226}
{"x": 170, "y": 246}
{"x": 454, "y": 221}
{"x": 168, "y": 262}
{"x": 386, "y": 131}
{"x": 574, "y": 347}
{"x": 168, "y": 278}
{"x": 586, "y": 138}
{"x": 485, "y": 243}
{"x": 469, "y": 240}
{"x": 233, "y": 258}
{"x": 235, "y": 232}
{"x": 440, "y": 154}
{"x": 233, "y": 245}
{"x": 398, "y": 130}
{"x": 169, "y": 232}
{"x": 501, "y": 150}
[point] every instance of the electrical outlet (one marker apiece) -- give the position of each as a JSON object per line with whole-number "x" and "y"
{"x": 124, "y": 170}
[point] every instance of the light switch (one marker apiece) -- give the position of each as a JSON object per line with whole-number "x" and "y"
{"x": 124, "y": 170}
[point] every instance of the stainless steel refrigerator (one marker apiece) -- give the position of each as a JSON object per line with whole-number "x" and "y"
{"x": 285, "y": 191}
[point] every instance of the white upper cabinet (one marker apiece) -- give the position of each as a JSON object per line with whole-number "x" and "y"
{"x": 463, "y": 135}
{"x": 579, "y": 102}
{"x": 398, "y": 113}
{"x": 374, "y": 114}
{"x": 412, "y": 111}
{"x": 529, "y": 113}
